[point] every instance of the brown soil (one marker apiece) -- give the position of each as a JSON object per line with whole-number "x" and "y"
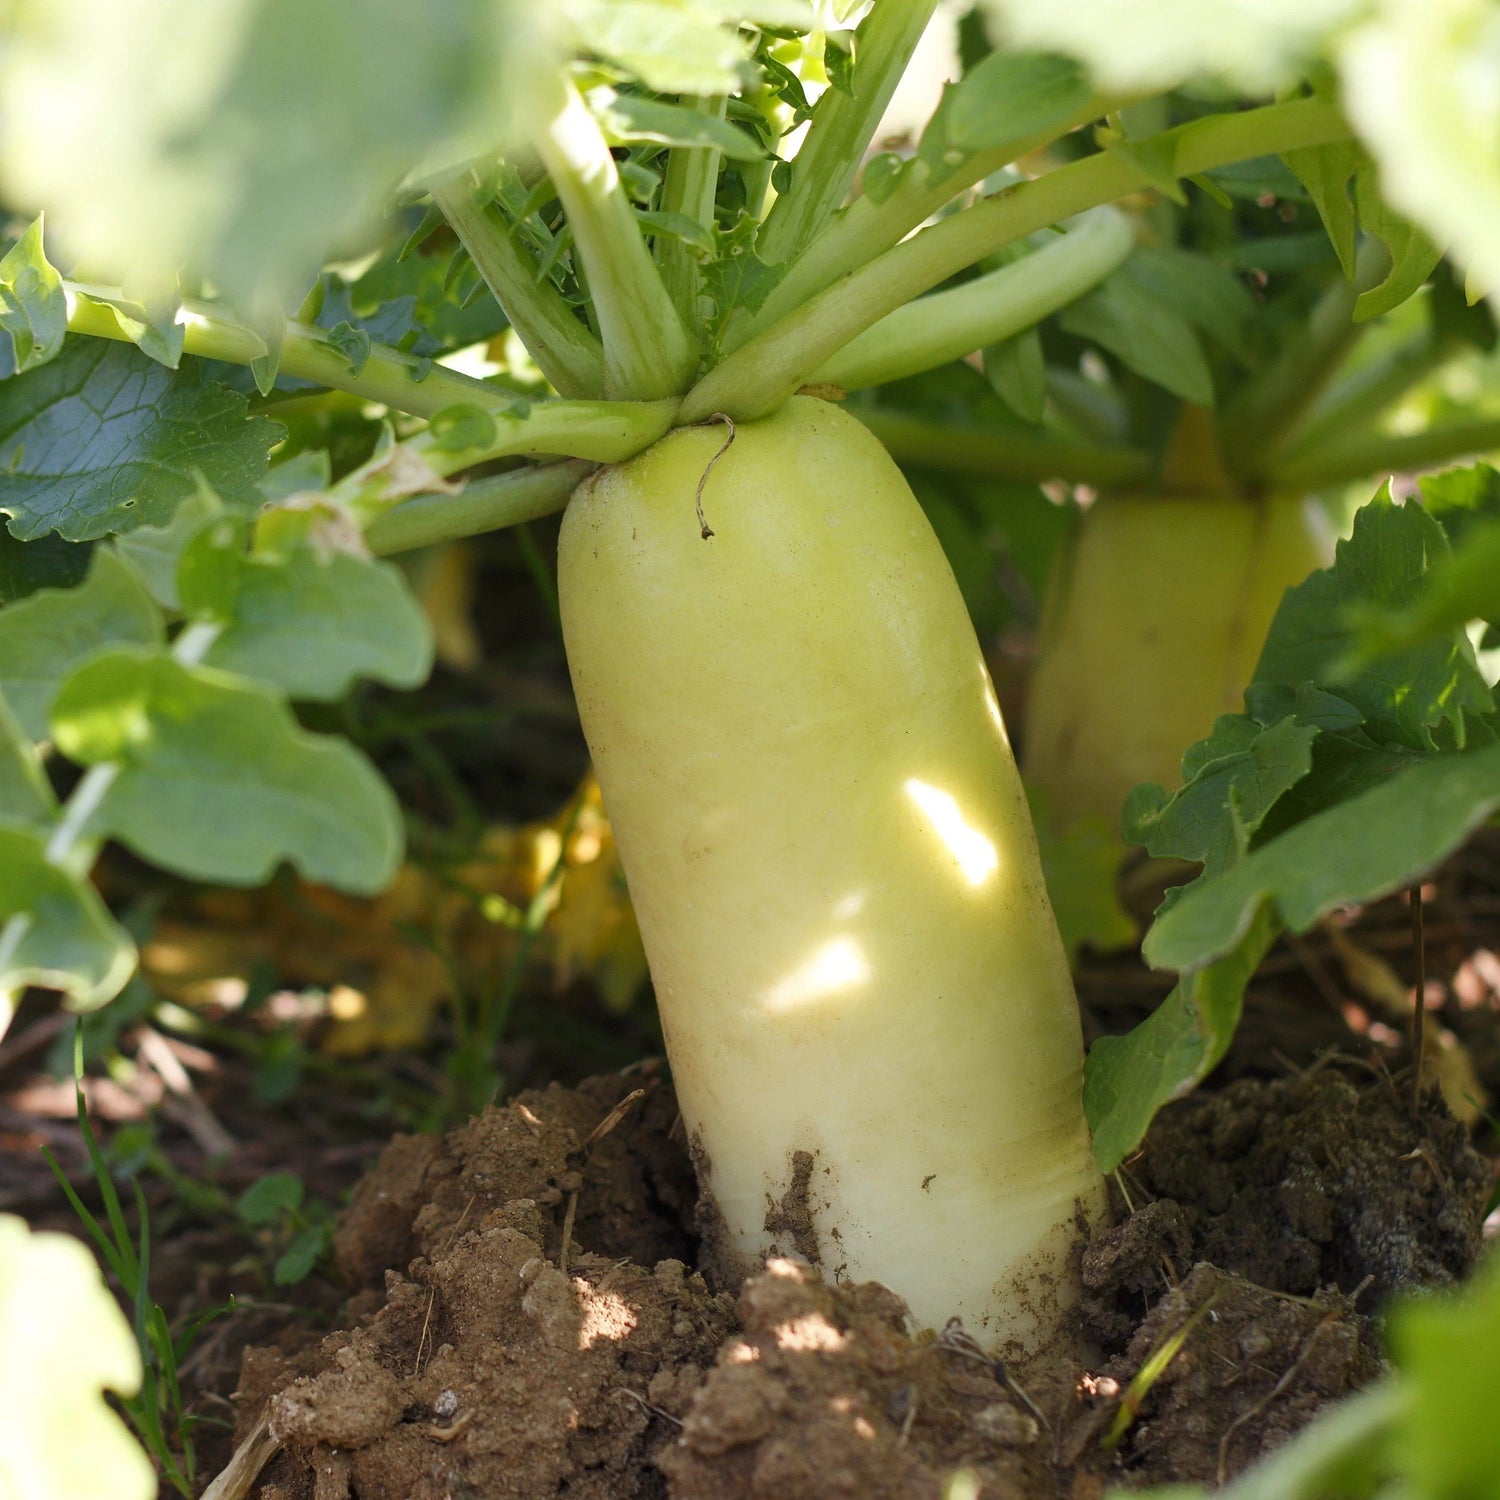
{"x": 527, "y": 1322}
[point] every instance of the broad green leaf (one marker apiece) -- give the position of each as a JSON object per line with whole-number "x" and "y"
{"x": 33, "y": 309}
{"x": 217, "y": 781}
{"x": 26, "y": 796}
{"x": 48, "y": 562}
{"x": 1413, "y": 253}
{"x": 1081, "y": 865}
{"x": 69, "y": 941}
{"x": 1213, "y": 300}
{"x": 310, "y": 470}
{"x": 306, "y": 623}
{"x": 632, "y": 117}
{"x": 244, "y": 139}
{"x": 1447, "y": 1352}
{"x": 66, "y": 1342}
{"x": 1327, "y": 172}
{"x": 104, "y": 439}
{"x": 1126, "y": 1079}
{"x": 155, "y": 551}
{"x": 1241, "y": 768}
{"x": 298, "y": 1259}
{"x": 672, "y": 46}
{"x": 1404, "y": 695}
{"x": 1142, "y": 46}
{"x": 1362, "y": 849}
{"x": 43, "y": 638}
{"x": 270, "y": 1196}
{"x": 1146, "y": 335}
{"x": 1461, "y": 588}
{"x": 1017, "y": 372}
{"x": 678, "y": 227}
{"x": 1456, "y": 495}
{"x": 1006, "y": 98}
{"x": 1421, "y": 85}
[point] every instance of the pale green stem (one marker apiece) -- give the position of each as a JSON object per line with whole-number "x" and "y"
{"x": 68, "y": 848}
{"x": 648, "y": 353}
{"x": 1375, "y": 455}
{"x": 944, "y": 326}
{"x": 689, "y": 188}
{"x": 565, "y": 351}
{"x": 601, "y": 431}
{"x": 764, "y": 373}
{"x": 1270, "y": 407}
{"x": 402, "y": 381}
{"x": 482, "y": 505}
{"x": 1364, "y": 394}
{"x": 866, "y": 229}
{"x": 968, "y": 450}
{"x": 841, "y": 129}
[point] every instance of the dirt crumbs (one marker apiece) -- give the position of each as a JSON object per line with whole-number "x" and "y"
{"x": 527, "y": 1323}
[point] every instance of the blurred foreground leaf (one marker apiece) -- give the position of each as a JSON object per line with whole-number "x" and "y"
{"x": 68, "y": 940}
{"x": 217, "y": 781}
{"x": 65, "y": 1343}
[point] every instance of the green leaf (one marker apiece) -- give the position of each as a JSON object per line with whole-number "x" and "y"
{"x": 33, "y": 309}
{"x": 1403, "y": 696}
{"x": 308, "y": 471}
{"x": 672, "y": 46}
{"x": 103, "y": 439}
{"x": 1147, "y": 46}
{"x": 1447, "y": 1350}
{"x": 632, "y": 117}
{"x": 299, "y": 1258}
{"x": 1326, "y": 172}
{"x": 1240, "y": 767}
{"x": 455, "y": 428}
{"x": 66, "y": 1342}
{"x": 306, "y": 623}
{"x": 243, "y": 141}
{"x": 70, "y": 942}
{"x": 271, "y": 1196}
{"x": 43, "y": 638}
{"x": 217, "y": 781}
{"x": 351, "y": 344}
{"x": 1147, "y": 335}
{"x": 737, "y": 277}
{"x": 154, "y": 552}
{"x": 26, "y": 796}
{"x": 154, "y": 330}
{"x": 678, "y": 227}
{"x": 1460, "y": 588}
{"x": 1017, "y": 372}
{"x": 1413, "y": 253}
{"x": 1419, "y": 84}
{"x": 1364, "y": 848}
{"x": 1155, "y": 160}
{"x": 1126, "y": 1079}
{"x": 882, "y": 175}
{"x": 1007, "y": 97}
{"x": 1080, "y": 864}
{"x": 1457, "y": 495}
{"x": 1213, "y": 300}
